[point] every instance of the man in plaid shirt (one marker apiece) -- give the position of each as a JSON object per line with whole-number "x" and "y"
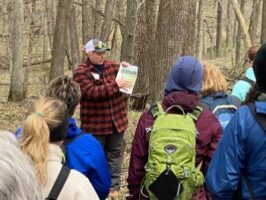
{"x": 103, "y": 110}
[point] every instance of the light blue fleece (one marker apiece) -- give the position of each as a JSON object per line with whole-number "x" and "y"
{"x": 241, "y": 88}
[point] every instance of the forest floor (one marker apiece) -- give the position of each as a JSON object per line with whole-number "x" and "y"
{"x": 13, "y": 114}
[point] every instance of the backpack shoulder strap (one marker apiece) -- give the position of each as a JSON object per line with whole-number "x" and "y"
{"x": 155, "y": 109}
{"x": 196, "y": 113}
{"x": 248, "y": 80}
{"x": 59, "y": 183}
{"x": 261, "y": 119}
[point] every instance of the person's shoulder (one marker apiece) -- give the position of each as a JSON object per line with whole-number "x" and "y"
{"x": 88, "y": 138}
{"x": 84, "y": 139}
{"x": 81, "y": 184}
{"x": 82, "y": 67}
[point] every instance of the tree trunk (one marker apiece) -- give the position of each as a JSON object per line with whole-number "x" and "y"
{"x": 87, "y": 20}
{"x": 263, "y": 24}
{"x": 219, "y": 26}
{"x": 120, "y": 13}
{"x": 242, "y": 23}
{"x": 31, "y": 42}
{"x": 199, "y": 46}
{"x": 254, "y": 21}
{"x": 46, "y": 43}
{"x": 151, "y": 17}
{"x": 174, "y": 36}
{"x": 74, "y": 38}
{"x": 229, "y": 34}
{"x": 239, "y": 35}
{"x": 188, "y": 39}
{"x": 108, "y": 18}
{"x": 17, "y": 73}
{"x": 140, "y": 58}
{"x": 127, "y": 49}
{"x": 58, "y": 52}
{"x": 114, "y": 54}
{"x": 98, "y": 21}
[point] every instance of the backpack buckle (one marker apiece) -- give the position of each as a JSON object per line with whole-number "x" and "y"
{"x": 186, "y": 172}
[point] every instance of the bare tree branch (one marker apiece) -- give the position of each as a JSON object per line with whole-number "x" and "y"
{"x": 101, "y": 13}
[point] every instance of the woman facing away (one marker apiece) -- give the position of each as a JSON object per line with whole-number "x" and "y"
{"x": 43, "y": 132}
{"x": 214, "y": 95}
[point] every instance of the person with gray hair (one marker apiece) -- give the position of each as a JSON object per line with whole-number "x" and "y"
{"x": 17, "y": 177}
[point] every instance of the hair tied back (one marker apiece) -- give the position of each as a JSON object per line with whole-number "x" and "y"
{"x": 40, "y": 114}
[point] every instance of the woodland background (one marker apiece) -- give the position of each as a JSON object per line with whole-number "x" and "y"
{"x": 42, "y": 39}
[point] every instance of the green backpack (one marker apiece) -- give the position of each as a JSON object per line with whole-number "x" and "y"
{"x": 170, "y": 171}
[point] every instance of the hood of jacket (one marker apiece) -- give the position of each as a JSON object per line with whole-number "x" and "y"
{"x": 188, "y": 101}
{"x": 185, "y": 75}
{"x": 73, "y": 129}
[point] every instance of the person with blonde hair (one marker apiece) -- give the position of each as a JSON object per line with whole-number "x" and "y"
{"x": 17, "y": 177}
{"x": 43, "y": 132}
{"x": 214, "y": 95}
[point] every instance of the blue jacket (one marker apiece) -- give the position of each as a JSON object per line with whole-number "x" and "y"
{"x": 241, "y": 150}
{"x": 241, "y": 88}
{"x": 85, "y": 154}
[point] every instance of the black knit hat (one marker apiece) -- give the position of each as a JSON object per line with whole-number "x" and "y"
{"x": 259, "y": 66}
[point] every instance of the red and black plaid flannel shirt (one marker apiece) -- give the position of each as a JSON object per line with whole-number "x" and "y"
{"x": 102, "y": 105}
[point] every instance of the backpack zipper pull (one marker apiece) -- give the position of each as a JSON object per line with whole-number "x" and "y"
{"x": 168, "y": 168}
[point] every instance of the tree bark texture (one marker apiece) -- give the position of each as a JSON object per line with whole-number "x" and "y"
{"x": 239, "y": 34}
{"x": 253, "y": 26}
{"x": 127, "y": 49}
{"x": 107, "y": 21}
{"x": 74, "y": 38}
{"x": 174, "y": 37}
{"x": 219, "y": 27}
{"x": 58, "y": 52}
{"x": 151, "y": 17}
{"x": 199, "y": 42}
{"x": 242, "y": 23}
{"x": 17, "y": 72}
{"x": 140, "y": 53}
{"x": 98, "y": 21}
{"x": 87, "y": 20}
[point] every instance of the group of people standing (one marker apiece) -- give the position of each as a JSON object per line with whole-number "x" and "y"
{"x": 230, "y": 154}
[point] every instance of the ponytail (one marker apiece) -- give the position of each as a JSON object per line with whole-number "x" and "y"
{"x": 48, "y": 116}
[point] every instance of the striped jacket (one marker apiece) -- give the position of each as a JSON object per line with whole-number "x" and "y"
{"x": 102, "y": 105}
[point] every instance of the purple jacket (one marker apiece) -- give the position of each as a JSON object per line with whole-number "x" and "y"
{"x": 209, "y": 134}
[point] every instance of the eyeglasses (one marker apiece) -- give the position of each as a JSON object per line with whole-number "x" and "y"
{"x": 100, "y": 53}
